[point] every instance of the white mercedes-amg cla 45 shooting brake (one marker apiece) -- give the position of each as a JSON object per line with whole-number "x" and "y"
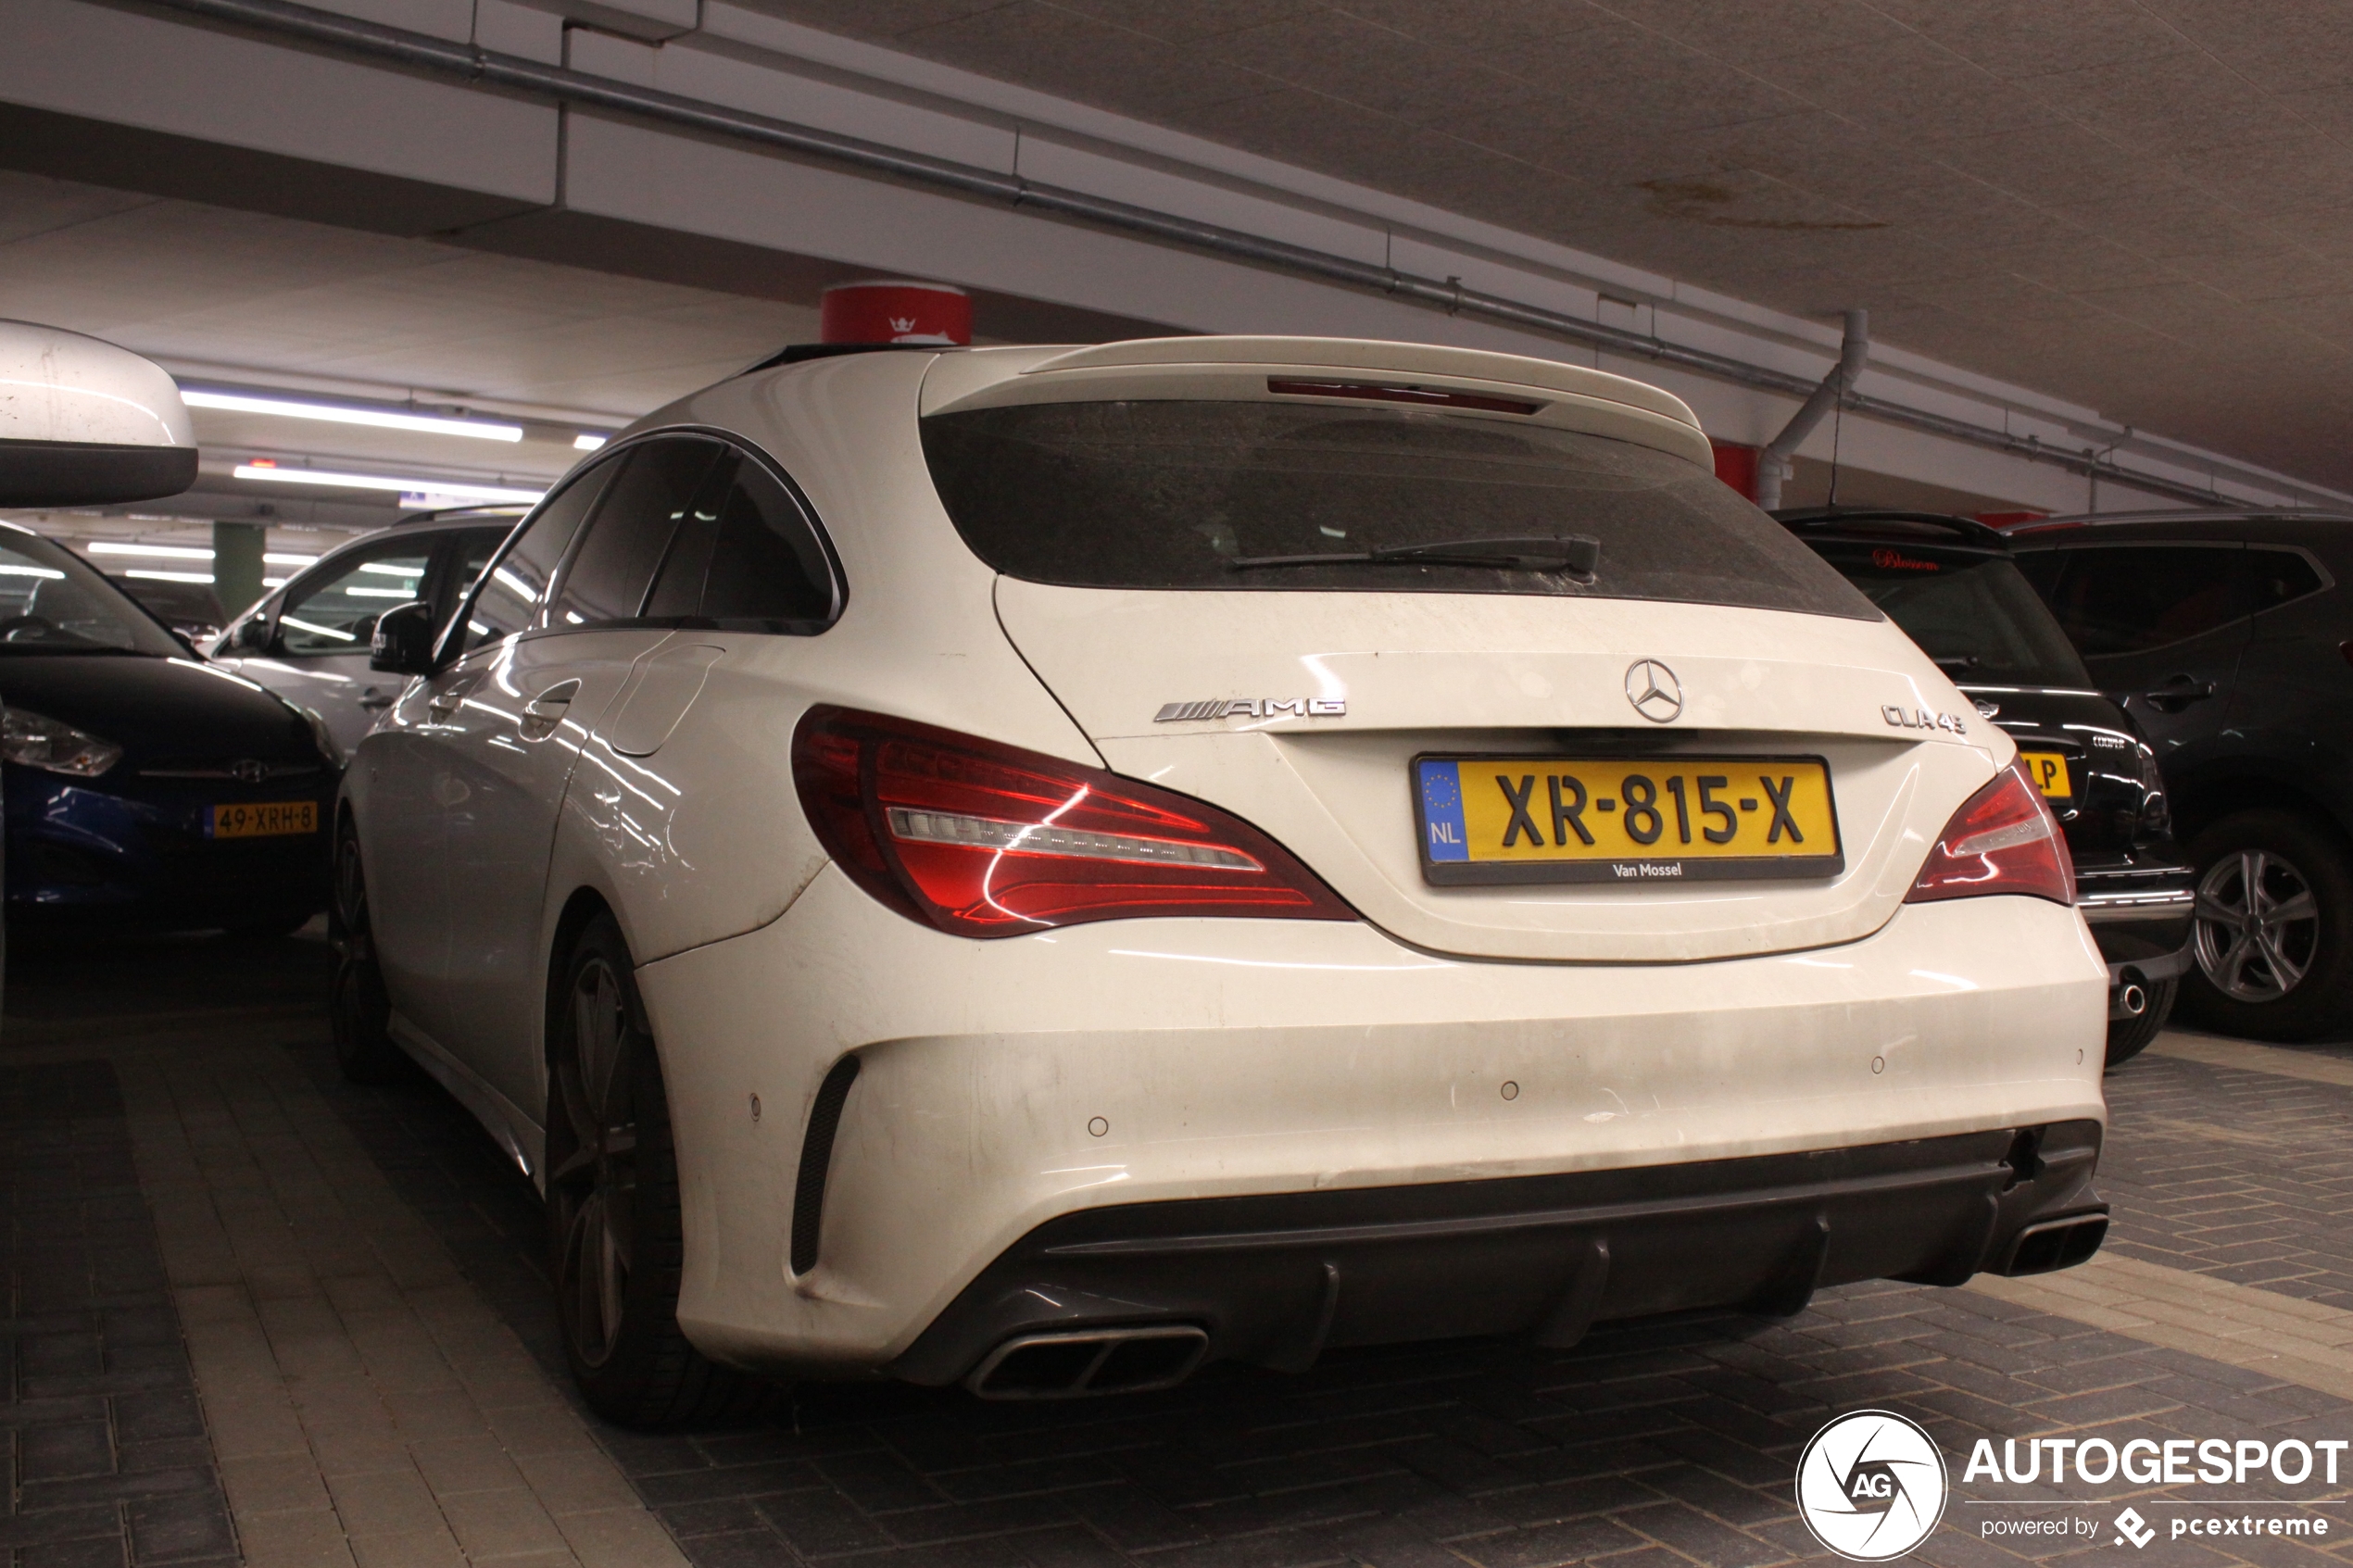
{"x": 1037, "y": 868}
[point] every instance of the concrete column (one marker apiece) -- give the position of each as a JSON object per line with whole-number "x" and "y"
{"x": 236, "y": 563}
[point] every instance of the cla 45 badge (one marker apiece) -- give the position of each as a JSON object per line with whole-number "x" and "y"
{"x": 1922, "y": 719}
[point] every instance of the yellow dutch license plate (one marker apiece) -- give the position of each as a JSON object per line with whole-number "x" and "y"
{"x": 1670, "y": 819}
{"x": 2048, "y": 770}
{"x": 263, "y": 821}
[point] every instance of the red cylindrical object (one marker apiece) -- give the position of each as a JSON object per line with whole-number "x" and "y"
{"x": 894, "y": 310}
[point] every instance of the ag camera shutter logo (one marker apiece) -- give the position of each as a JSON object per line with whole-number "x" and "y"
{"x": 1872, "y": 1486}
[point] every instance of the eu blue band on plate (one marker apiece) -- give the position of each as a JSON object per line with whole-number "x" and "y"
{"x": 1442, "y": 811}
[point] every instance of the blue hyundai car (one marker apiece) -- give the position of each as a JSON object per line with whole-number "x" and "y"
{"x": 144, "y": 789}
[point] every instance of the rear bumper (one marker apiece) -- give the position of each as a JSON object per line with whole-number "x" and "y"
{"x": 1002, "y": 1087}
{"x": 2141, "y": 921}
{"x": 1276, "y": 1279}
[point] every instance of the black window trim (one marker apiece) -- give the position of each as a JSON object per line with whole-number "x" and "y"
{"x": 449, "y": 648}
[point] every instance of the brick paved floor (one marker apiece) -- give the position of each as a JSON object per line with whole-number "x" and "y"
{"x": 2245, "y": 1175}
{"x": 100, "y": 1413}
{"x": 1658, "y": 1445}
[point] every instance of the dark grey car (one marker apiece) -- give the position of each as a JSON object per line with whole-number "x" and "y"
{"x": 2229, "y": 636}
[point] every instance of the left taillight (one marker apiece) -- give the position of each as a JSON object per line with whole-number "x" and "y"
{"x": 981, "y": 839}
{"x": 2002, "y": 840}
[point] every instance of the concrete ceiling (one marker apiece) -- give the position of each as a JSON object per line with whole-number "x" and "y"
{"x": 241, "y": 298}
{"x": 2145, "y": 206}
{"x": 210, "y": 289}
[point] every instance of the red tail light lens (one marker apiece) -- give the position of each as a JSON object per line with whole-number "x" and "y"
{"x": 2002, "y": 840}
{"x": 985, "y": 840}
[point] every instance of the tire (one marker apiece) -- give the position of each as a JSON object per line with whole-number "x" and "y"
{"x": 2283, "y": 972}
{"x": 615, "y": 1239}
{"x": 356, "y": 1002}
{"x": 2127, "y": 1038}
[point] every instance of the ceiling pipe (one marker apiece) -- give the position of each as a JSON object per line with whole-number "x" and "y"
{"x": 1773, "y": 463}
{"x": 423, "y": 52}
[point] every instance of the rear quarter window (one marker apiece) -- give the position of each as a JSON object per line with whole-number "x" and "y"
{"x": 1171, "y": 494}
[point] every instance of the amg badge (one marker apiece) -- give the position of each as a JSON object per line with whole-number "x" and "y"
{"x": 1253, "y": 708}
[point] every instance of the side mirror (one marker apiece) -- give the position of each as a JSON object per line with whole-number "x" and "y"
{"x": 83, "y": 423}
{"x": 404, "y": 639}
{"x": 253, "y": 634}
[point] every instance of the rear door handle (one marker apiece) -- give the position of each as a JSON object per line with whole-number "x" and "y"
{"x": 544, "y": 713}
{"x": 2178, "y": 693}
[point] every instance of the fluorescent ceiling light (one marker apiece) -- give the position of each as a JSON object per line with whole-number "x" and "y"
{"x": 273, "y": 582}
{"x": 336, "y": 413}
{"x": 588, "y": 440}
{"x": 359, "y": 592}
{"x": 169, "y": 576}
{"x": 448, "y": 488}
{"x": 269, "y": 559}
{"x": 50, "y": 574}
{"x": 388, "y": 570}
{"x": 163, "y": 552}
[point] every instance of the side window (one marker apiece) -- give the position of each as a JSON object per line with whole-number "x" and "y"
{"x": 2128, "y": 598}
{"x": 614, "y": 566}
{"x": 748, "y": 559}
{"x": 336, "y": 611}
{"x": 2278, "y": 577}
{"x": 510, "y": 596}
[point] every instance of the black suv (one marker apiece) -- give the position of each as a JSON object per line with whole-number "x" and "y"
{"x": 1949, "y": 582}
{"x": 2226, "y": 634}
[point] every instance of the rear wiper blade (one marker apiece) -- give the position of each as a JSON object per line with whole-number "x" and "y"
{"x": 1574, "y": 553}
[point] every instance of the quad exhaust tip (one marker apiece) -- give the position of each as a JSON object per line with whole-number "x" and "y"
{"x": 1073, "y": 1364}
{"x": 2055, "y": 1244}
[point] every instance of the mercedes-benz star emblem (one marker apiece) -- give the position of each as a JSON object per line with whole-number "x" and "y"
{"x": 1654, "y": 691}
{"x": 247, "y": 771}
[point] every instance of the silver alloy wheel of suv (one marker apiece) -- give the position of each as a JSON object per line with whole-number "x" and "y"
{"x": 2257, "y": 925}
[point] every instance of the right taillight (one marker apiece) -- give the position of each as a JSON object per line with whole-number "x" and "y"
{"x": 2002, "y": 840}
{"x": 981, "y": 839}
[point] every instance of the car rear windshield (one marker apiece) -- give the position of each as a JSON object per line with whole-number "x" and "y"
{"x": 1172, "y": 494}
{"x": 1972, "y": 612}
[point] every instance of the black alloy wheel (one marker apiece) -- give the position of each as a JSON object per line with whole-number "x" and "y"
{"x": 2274, "y": 932}
{"x": 2127, "y": 1038}
{"x": 358, "y": 1006}
{"x": 616, "y": 1241}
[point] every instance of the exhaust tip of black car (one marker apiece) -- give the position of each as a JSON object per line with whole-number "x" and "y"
{"x": 2055, "y": 1244}
{"x": 1074, "y": 1363}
